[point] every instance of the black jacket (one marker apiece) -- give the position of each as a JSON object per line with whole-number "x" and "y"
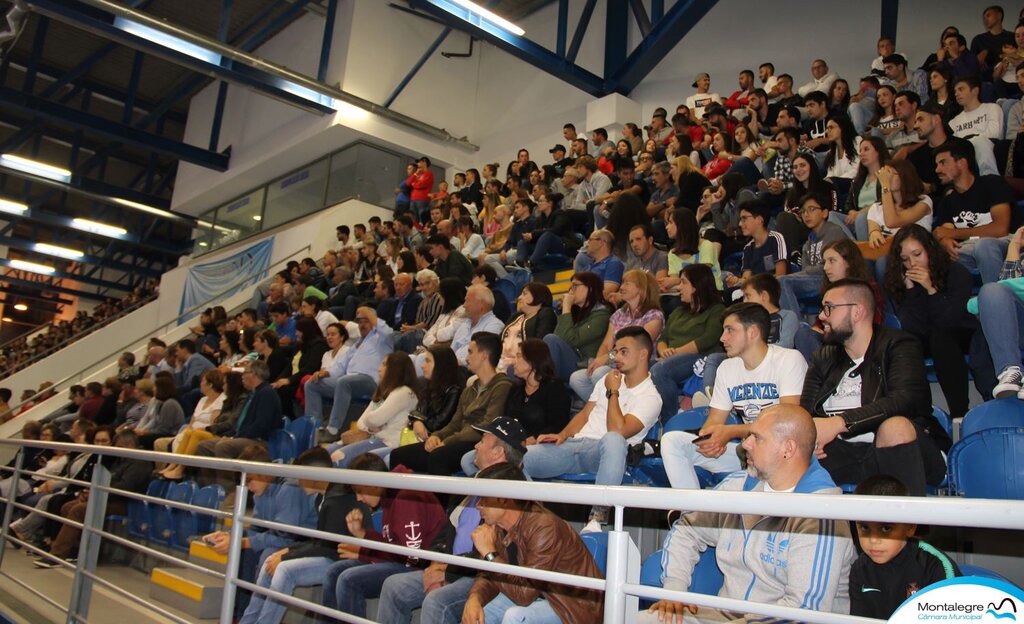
{"x": 876, "y": 591}
{"x": 262, "y": 417}
{"x": 279, "y": 363}
{"x": 542, "y": 324}
{"x": 311, "y": 356}
{"x": 547, "y": 411}
{"x": 559, "y": 224}
{"x": 332, "y": 509}
{"x": 386, "y": 310}
{"x": 893, "y": 383}
{"x": 436, "y": 414}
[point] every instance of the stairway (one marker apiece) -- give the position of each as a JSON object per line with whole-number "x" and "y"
{"x": 188, "y": 590}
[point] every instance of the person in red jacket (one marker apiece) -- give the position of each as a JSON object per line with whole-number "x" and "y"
{"x": 410, "y": 518}
{"x": 420, "y": 184}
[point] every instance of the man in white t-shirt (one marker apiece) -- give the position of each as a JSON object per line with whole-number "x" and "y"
{"x": 698, "y": 102}
{"x": 756, "y": 376}
{"x": 981, "y": 119}
{"x": 622, "y": 408}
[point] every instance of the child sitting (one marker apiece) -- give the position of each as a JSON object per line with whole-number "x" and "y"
{"x": 894, "y": 564}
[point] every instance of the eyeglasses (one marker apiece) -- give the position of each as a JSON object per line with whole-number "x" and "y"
{"x": 827, "y": 308}
{"x": 362, "y": 319}
{"x": 810, "y": 208}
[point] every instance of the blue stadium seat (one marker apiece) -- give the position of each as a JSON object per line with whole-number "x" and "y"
{"x": 282, "y": 445}
{"x": 687, "y": 420}
{"x": 706, "y": 579}
{"x": 520, "y": 279}
{"x": 891, "y": 320}
{"x": 989, "y": 464}
{"x": 597, "y": 544}
{"x": 553, "y": 262}
{"x": 161, "y": 517}
{"x": 508, "y": 288}
{"x": 190, "y": 523}
{"x": 304, "y": 431}
{"x": 996, "y": 413}
{"x": 138, "y": 522}
{"x": 972, "y": 570}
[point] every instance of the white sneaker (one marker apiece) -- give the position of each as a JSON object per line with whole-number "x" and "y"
{"x": 700, "y": 399}
{"x": 1009, "y": 383}
{"x": 594, "y": 526}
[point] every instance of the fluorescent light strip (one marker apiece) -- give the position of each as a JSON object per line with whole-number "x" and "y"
{"x": 35, "y": 168}
{"x": 60, "y": 252}
{"x": 483, "y": 13}
{"x": 32, "y": 267}
{"x": 307, "y": 93}
{"x": 13, "y": 208}
{"x": 219, "y": 228}
{"x": 168, "y": 41}
{"x": 98, "y": 228}
{"x": 143, "y": 207}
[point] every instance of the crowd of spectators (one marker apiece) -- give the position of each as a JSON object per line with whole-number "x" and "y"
{"x": 741, "y": 254}
{"x": 26, "y": 350}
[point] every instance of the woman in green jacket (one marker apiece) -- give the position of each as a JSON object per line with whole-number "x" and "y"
{"x": 581, "y": 325}
{"x": 692, "y": 331}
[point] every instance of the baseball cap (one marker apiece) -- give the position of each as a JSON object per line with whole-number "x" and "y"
{"x": 506, "y": 429}
{"x": 700, "y": 77}
{"x": 714, "y": 109}
{"x": 558, "y": 147}
{"x": 932, "y": 108}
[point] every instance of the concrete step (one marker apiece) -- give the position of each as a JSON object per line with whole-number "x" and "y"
{"x": 564, "y": 276}
{"x": 559, "y": 288}
{"x": 190, "y": 591}
{"x": 200, "y": 553}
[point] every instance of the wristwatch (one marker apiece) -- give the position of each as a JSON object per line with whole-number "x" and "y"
{"x": 491, "y": 556}
{"x": 608, "y": 394}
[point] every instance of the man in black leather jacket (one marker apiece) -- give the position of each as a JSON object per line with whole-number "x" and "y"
{"x": 868, "y": 391}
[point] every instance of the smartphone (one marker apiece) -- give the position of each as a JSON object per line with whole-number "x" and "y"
{"x": 706, "y": 436}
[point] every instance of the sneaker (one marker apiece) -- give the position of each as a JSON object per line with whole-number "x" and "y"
{"x": 700, "y": 399}
{"x": 45, "y": 564}
{"x": 594, "y": 526}
{"x": 323, "y": 436}
{"x": 1009, "y": 383}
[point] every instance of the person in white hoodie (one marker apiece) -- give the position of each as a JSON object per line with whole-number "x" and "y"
{"x": 379, "y": 429}
{"x": 791, "y": 562}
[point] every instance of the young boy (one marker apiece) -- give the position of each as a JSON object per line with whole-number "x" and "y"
{"x": 766, "y": 252}
{"x": 764, "y": 289}
{"x": 814, "y": 210}
{"x": 894, "y": 564}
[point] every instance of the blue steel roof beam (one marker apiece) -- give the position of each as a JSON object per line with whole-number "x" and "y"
{"x": 100, "y": 283}
{"x": 95, "y": 124}
{"x": 519, "y": 47}
{"x": 74, "y": 292}
{"x": 581, "y": 30}
{"x": 27, "y": 245}
{"x": 666, "y": 33}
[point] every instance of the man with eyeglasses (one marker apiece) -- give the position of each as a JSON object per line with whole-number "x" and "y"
{"x": 814, "y": 211}
{"x": 868, "y": 391}
{"x": 623, "y": 407}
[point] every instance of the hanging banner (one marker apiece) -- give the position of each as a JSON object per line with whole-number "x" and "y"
{"x": 220, "y": 278}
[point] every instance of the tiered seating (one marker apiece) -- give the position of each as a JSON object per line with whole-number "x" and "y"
{"x": 988, "y": 460}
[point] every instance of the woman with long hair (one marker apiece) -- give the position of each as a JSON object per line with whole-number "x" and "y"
{"x": 623, "y": 153}
{"x": 843, "y": 152}
{"x": 839, "y": 97}
{"x": 639, "y": 294}
{"x": 379, "y": 429}
{"x": 690, "y": 180}
{"x": 884, "y": 120}
{"x": 440, "y": 397}
{"x": 724, "y": 148}
{"x": 211, "y": 384}
{"x": 929, "y": 293}
{"x": 313, "y": 307}
{"x": 692, "y": 331}
{"x": 940, "y": 90}
{"x": 865, "y": 190}
{"x": 721, "y": 206}
{"x": 166, "y": 415}
{"x": 687, "y": 248}
{"x": 230, "y": 348}
{"x": 807, "y": 179}
{"x": 536, "y": 319}
{"x": 903, "y": 202}
{"x": 581, "y": 326}
{"x": 311, "y": 350}
{"x": 540, "y": 402}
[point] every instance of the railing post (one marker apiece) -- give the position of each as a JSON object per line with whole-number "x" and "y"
{"x": 12, "y": 495}
{"x": 89, "y": 546}
{"x": 623, "y": 566}
{"x": 227, "y": 605}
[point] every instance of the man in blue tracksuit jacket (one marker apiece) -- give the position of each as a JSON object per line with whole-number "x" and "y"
{"x": 792, "y": 562}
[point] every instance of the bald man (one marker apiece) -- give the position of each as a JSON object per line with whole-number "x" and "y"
{"x": 791, "y": 562}
{"x": 354, "y": 374}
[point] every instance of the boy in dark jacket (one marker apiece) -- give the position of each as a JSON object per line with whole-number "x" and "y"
{"x": 894, "y": 564}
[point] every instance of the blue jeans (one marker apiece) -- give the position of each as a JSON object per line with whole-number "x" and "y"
{"x": 408, "y": 341}
{"x": 403, "y": 593}
{"x": 681, "y": 457}
{"x": 1001, "y": 314}
{"x": 501, "y": 610}
{"x": 984, "y": 255}
{"x": 339, "y": 390}
{"x": 289, "y": 575}
{"x": 548, "y": 243}
{"x": 351, "y": 451}
{"x": 807, "y": 341}
{"x": 796, "y": 285}
{"x": 861, "y": 113}
{"x": 330, "y": 580}
{"x": 357, "y": 584}
{"x": 711, "y": 364}
{"x": 249, "y": 564}
{"x": 606, "y": 457}
{"x": 668, "y": 376}
{"x": 583, "y": 384}
{"x": 565, "y": 358}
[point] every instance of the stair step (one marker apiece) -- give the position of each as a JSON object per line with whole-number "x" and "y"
{"x": 190, "y": 591}
{"x": 202, "y": 554}
{"x": 559, "y": 288}
{"x": 562, "y": 276}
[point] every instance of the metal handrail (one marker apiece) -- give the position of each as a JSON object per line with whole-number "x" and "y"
{"x": 162, "y": 328}
{"x": 939, "y": 511}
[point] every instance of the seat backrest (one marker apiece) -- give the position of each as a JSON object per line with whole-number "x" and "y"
{"x": 182, "y": 492}
{"x": 650, "y": 570}
{"x": 158, "y": 488}
{"x": 687, "y": 420}
{"x": 210, "y": 497}
{"x": 304, "y": 429}
{"x": 377, "y": 518}
{"x": 989, "y": 464}
{"x": 996, "y": 413}
{"x": 972, "y": 570}
{"x": 706, "y": 579}
{"x": 507, "y": 287}
{"x": 597, "y": 544}
{"x": 282, "y": 445}
{"x": 891, "y": 320}
{"x": 944, "y": 420}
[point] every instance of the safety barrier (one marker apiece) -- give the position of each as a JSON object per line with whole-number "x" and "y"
{"x": 621, "y": 583}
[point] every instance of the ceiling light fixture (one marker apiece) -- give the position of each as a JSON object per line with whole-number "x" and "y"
{"x": 35, "y": 168}
{"x": 168, "y": 41}
{"x": 11, "y": 207}
{"x": 257, "y": 218}
{"x": 98, "y": 228}
{"x": 60, "y": 252}
{"x": 32, "y": 267}
{"x": 475, "y": 14}
{"x": 21, "y": 307}
{"x": 143, "y": 207}
{"x": 7, "y": 319}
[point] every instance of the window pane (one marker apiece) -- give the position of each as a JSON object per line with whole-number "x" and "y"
{"x": 342, "y": 180}
{"x": 238, "y": 219}
{"x": 295, "y": 195}
{"x": 379, "y": 172}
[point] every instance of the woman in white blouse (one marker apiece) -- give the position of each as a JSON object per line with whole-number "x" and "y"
{"x": 379, "y": 429}
{"x": 211, "y": 384}
{"x": 313, "y": 307}
{"x": 453, "y": 295}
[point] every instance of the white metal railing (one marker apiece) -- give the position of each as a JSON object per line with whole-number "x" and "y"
{"x": 620, "y": 585}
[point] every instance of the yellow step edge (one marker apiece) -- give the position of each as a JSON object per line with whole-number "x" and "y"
{"x": 564, "y": 275}
{"x": 558, "y": 289}
{"x": 203, "y": 551}
{"x": 178, "y": 585}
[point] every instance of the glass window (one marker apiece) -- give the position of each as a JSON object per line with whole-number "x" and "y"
{"x": 204, "y": 233}
{"x": 296, "y": 194}
{"x": 239, "y": 218}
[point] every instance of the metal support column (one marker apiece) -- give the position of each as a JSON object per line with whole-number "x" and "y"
{"x": 325, "y": 44}
{"x": 890, "y": 18}
{"x": 416, "y": 68}
{"x": 616, "y": 22}
{"x": 12, "y": 495}
{"x": 227, "y": 605}
{"x": 563, "y": 26}
{"x": 622, "y": 566}
{"x": 89, "y": 546}
{"x": 581, "y": 30}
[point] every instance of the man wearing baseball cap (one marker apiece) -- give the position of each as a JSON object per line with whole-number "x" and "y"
{"x": 703, "y": 98}
{"x": 503, "y": 441}
{"x": 558, "y": 156}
